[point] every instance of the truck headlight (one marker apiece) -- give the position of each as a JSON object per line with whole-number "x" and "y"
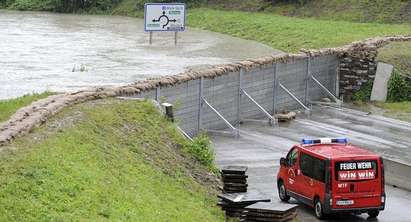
{"x": 382, "y": 199}
{"x": 331, "y": 201}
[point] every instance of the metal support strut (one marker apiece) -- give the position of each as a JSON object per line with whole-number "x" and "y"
{"x": 339, "y": 102}
{"x": 184, "y": 134}
{"x": 273, "y": 121}
{"x": 293, "y": 96}
{"x": 235, "y": 130}
{"x": 201, "y": 102}
{"x": 242, "y": 92}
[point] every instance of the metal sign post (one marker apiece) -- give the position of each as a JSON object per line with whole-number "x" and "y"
{"x": 164, "y": 17}
{"x": 175, "y": 38}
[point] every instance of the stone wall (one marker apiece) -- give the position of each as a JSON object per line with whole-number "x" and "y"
{"x": 358, "y": 65}
{"x": 355, "y": 72}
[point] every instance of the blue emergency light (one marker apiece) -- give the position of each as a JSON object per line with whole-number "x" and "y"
{"x": 324, "y": 141}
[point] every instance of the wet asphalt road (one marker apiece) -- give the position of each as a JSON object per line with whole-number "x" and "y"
{"x": 261, "y": 146}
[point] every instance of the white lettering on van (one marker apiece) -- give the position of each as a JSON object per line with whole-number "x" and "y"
{"x": 356, "y": 175}
{"x": 346, "y": 175}
{"x": 364, "y": 165}
{"x": 367, "y": 174}
{"x": 342, "y": 185}
{"x": 348, "y": 166}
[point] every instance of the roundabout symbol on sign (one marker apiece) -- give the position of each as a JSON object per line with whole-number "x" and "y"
{"x": 164, "y": 18}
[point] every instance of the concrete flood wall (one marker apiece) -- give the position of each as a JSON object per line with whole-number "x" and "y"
{"x": 397, "y": 174}
{"x": 261, "y": 83}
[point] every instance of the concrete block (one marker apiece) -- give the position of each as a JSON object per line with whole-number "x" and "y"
{"x": 397, "y": 173}
{"x": 379, "y": 89}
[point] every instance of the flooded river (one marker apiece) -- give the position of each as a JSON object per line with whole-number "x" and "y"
{"x": 60, "y": 52}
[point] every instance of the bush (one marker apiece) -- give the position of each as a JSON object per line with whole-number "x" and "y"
{"x": 69, "y": 6}
{"x": 399, "y": 89}
{"x": 364, "y": 94}
{"x": 201, "y": 149}
{"x": 36, "y": 5}
{"x": 190, "y": 3}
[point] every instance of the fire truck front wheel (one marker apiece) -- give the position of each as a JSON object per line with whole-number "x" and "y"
{"x": 282, "y": 192}
{"x": 318, "y": 208}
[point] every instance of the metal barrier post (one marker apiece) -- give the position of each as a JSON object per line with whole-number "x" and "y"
{"x": 175, "y": 38}
{"x": 275, "y": 87}
{"x": 158, "y": 94}
{"x": 200, "y": 105}
{"x": 239, "y": 96}
{"x": 307, "y": 81}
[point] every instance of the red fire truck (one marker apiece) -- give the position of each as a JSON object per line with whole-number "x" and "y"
{"x": 332, "y": 176}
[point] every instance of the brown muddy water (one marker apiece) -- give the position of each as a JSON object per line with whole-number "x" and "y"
{"x": 62, "y": 52}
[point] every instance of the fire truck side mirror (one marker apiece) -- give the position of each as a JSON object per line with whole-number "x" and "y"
{"x": 283, "y": 161}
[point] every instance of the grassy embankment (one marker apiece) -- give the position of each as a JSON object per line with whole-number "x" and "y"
{"x": 398, "y": 110}
{"x": 381, "y": 11}
{"x": 398, "y": 54}
{"x": 281, "y": 32}
{"x": 10, "y": 106}
{"x": 289, "y": 34}
{"x": 107, "y": 160}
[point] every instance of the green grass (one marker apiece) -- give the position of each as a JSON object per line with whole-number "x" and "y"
{"x": 397, "y": 54}
{"x": 395, "y": 110}
{"x": 10, "y": 106}
{"x": 33, "y": 5}
{"x": 400, "y": 106}
{"x": 106, "y": 160}
{"x": 286, "y": 33}
{"x": 381, "y": 11}
{"x": 129, "y": 8}
{"x": 399, "y": 110}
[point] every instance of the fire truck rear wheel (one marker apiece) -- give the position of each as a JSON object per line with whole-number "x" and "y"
{"x": 373, "y": 213}
{"x": 318, "y": 208}
{"x": 282, "y": 192}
